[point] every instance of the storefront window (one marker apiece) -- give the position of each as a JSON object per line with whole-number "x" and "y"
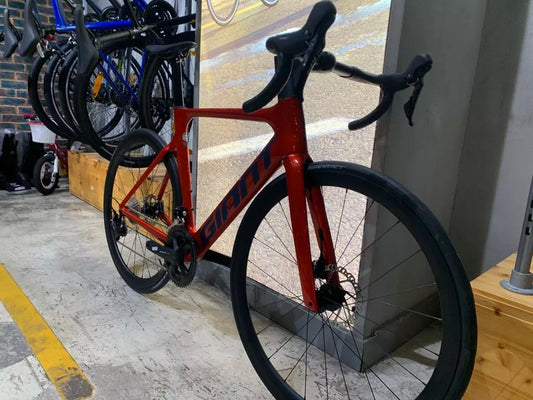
{"x": 235, "y": 66}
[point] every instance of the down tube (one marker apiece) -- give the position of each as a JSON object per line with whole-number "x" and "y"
{"x": 248, "y": 185}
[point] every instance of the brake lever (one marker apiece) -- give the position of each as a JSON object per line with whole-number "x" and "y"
{"x": 409, "y": 107}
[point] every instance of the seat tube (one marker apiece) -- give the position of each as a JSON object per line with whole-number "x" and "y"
{"x": 294, "y": 167}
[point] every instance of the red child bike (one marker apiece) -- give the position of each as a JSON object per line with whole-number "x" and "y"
{"x": 54, "y": 163}
{"x": 343, "y": 283}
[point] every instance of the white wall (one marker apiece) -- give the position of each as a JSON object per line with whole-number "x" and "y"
{"x": 470, "y": 154}
{"x": 497, "y": 162}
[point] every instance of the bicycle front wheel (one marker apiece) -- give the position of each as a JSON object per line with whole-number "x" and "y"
{"x": 153, "y": 202}
{"x": 398, "y": 323}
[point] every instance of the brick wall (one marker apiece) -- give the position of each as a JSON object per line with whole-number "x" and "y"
{"x": 14, "y": 70}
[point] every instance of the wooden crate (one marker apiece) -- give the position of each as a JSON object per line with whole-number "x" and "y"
{"x": 86, "y": 177}
{"x": 504, "y": 361}
{"x": 87, "y": 174}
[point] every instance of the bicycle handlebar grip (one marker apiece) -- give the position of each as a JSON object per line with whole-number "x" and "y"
{"x": 87, "y": 54}
{"x": 283, "y": 72}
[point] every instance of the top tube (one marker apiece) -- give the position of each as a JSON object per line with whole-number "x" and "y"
{"x": 96, "y": 26}
{"x": 62, "y": 26}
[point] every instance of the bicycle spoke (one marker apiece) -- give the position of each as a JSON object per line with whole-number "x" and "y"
{"x": 374, "y": 242}
{"x": 280, "y": 240}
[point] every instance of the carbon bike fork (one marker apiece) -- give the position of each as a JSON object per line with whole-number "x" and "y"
{"x": 300, "y": 198}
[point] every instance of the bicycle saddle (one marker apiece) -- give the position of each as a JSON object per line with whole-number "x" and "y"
{"x": 88, "y": 55}
{"x": 30, "y": 35}
{"x": 184, "y": 43}
{"x": 11, "y": 36}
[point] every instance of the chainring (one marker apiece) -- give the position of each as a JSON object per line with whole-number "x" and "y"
{"x": 182, "y": 271}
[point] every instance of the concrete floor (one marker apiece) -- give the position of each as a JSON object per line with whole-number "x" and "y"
{"x": 176, "y": 344}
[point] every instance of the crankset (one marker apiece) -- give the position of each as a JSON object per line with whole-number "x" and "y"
{"x": 179, "y": 253}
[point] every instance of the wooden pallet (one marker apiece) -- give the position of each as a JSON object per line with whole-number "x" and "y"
{"x": 87, "y": 174}
{"x": 504, "y": 361}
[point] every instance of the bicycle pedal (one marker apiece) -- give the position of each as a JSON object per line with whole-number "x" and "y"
{"x": 167, "y": 253}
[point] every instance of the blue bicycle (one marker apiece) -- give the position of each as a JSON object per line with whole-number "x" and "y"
{"x": 50, "y": 83}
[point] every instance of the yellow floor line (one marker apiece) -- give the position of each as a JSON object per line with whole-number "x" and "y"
{"x": 64, "y": 373}
{"x": 239, "y": 12}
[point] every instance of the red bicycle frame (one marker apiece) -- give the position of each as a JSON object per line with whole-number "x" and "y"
{"x": 288, "y": 147}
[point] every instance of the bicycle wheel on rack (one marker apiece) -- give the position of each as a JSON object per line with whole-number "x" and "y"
{"x": 222, "y": 11}
{"x": 153, "y": 202}
{"x": 399, "y": 323}
{"x": 64, "y": 84}
{"x": 53, "y": 95}
{"x": 157, "y": 95}
{"x": 39, "y": 89}
{"x": 105, "y": 100}
{"x": 270, "y": 3}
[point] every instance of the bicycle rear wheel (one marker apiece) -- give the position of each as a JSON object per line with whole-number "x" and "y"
{"x": 158, "y": 96}
{"x": 154, "y": 202}
{"x": 399, "y": 324}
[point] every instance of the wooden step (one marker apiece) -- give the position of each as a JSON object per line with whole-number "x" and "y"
{"x": 504, "y": 361}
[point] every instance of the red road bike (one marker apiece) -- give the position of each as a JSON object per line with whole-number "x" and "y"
{"x": 343, "y": 283}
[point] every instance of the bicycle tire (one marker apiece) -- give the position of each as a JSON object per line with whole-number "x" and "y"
{"x": 222, "y": 20}
{"x": 156, "y": 100}
{"x": 257, "y": 242}
{"x": 43, "y": 175}
{"x": 53, "y": 95}
{"x": 37, "y": 90}
{"x": 270, "y": 3}
{"x": 128, "y": 251}
{"x": 66, "y": 79}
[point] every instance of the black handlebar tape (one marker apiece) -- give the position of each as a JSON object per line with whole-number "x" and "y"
{"x": 87, "y": 54}
{"x": 382, "y": 107}
{"x": 30, "y": 35}
{"x": 283, "y": 72}
{"x": 294, "y": 44}
{"x": 289, "y": 46}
